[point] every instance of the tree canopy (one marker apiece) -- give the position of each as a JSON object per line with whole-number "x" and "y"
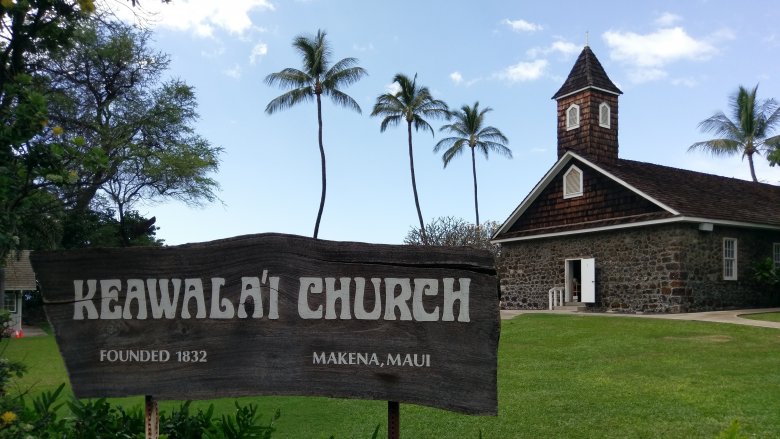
{"x": 747, "y": 130}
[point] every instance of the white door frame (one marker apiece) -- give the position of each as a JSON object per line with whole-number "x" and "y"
{"x": 587, "y": 281}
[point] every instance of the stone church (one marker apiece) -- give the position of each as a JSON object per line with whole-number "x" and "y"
{"x": 616, "y": 234}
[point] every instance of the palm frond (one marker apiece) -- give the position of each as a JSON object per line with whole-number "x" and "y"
{"x": 315, "y": 51}
{"x": 342, "y": 99}
{"x": 720, "y": 125}
{"x": 455, "y": 150}
{"x": 717, "y": 147}
{"x": 289, "y": 99}
{"x": 421, "y": 124}
{"x": 390, "y": 121}
{"x": 445, "y": 143}
{"x": 289, "y": 78}
{"x": 344, "y": 72}
{"x": 495, "y": 147}
{"x": 492, "y": 134}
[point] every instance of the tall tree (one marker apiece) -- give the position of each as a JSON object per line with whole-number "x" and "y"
{"x": 316, "y": 77}
{"x": 411, "y": 103}
{"x": 470, "y": 131}
{"x": 746, "y": 131}
{"x": 130, "y": 134}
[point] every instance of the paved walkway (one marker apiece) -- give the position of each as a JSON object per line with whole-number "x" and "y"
{"x": 32, "y": 331}
{"x": 733, "y": 316}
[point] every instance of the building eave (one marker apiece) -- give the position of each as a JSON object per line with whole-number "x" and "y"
{"x": 586, "y": 88}
{"x": 676, "y": 219}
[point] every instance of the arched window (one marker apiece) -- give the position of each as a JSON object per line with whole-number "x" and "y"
{"x": 572, "y": 183}
{"x": 604, "y": 115}
{"x": 573, "y": 117}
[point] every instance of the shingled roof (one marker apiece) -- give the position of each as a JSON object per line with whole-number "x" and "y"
{"x": 587, "y": 72}
{"x": 700, "y": 195}
{"x": 19, "y": 275}
{"x": 682, "y": 195}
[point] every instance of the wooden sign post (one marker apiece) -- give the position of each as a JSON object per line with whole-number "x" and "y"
{"x": 275, "y": 314}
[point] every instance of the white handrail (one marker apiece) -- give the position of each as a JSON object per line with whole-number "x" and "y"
{"x": 555, "y": 297}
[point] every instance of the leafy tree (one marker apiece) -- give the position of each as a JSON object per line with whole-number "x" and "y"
{"x": 470, "y": 131}
{"x": 455, "y": 232}
{"x": 31, "y": 31}
{"x": 746, "y": 132}
{"x": 411, "y": 103}
{"x": 317, "y": 77}
{"x": 129, "y": 135}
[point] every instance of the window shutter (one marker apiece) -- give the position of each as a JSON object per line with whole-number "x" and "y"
{"x": 572, "y": 183}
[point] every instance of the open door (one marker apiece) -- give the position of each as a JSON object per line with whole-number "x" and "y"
{"x": 588, "y": 287}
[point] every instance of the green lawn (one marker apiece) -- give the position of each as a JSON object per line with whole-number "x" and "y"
{"x": 559, "y": 377}
{"x": 768, "y": 316}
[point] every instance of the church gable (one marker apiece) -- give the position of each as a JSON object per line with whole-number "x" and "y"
{"x": 600, "y": 201}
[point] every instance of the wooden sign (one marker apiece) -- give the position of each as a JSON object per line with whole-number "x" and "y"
{"x": 275, "y": 314}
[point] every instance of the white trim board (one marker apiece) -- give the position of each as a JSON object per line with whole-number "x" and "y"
{"x": 678, "y": 219}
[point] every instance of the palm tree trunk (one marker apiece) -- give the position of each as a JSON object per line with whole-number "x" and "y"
{"x": 752, "y": 168}
{"x": 474, "y": 171}
{"x": 414, "y": 187}
{"x": 322, "y": 160}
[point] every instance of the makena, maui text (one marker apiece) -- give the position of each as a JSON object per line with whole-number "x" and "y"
{"x": 370, "y": 359}
{"x": 328, "y": 298}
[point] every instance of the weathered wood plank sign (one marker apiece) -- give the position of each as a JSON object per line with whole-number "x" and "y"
{"x": 275, "y": 314}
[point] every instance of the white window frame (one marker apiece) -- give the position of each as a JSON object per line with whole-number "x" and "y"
{"x": 12, "y": 308}
{"x": 572, "y": 194}
{"x": 776, "y": 254}
{"x": 606, "y": 124}
{"x": 730, "y": 258}
{"x": 569, "y": 124}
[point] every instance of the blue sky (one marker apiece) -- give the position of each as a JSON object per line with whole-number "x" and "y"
{"x": 676, "y": 63}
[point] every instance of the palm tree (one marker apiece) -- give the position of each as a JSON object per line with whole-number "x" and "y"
{"x": 316, "y": 78}
{"x": 469, "y": 131}
{"x": 747, "y": 129}
{"x": 411, "y": 103}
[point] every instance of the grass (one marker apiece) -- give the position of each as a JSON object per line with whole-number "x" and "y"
{"x": 767, "y": 316}
{"x": 559, "y": 376}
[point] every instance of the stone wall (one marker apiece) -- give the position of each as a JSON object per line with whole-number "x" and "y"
{"x": 666, "y": 268}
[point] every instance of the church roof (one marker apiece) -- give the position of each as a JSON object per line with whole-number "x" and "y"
{"x": 19, "y": 275}
{"x": 587, "y": 73}
{"x": 700, "y": 195}
{"x": 681, "y": 195}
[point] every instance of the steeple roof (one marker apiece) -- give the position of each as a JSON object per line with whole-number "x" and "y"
{"x": 587, "y": 73}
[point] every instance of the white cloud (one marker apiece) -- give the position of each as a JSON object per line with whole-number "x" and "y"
{"x": 639, "y": 76}
{"x": 685, "y": 82}
{"x": 260, "y": 50}
{"x": 202, "y": 17}
{"x": 656, "y": 49}
{"x": 563, "y": 47}
{"x": 667, "y": 19}
{"x": 363, "y": 48}
{"x": 393, "y": 88}
{"x": 524, "y": 71}
{"x": 216, "y": 53}
{"x": 522, "y": 25}
{"x": 233, "y": 72}
{"x": 456, "y": 77}
{"x": 647, "y": 55}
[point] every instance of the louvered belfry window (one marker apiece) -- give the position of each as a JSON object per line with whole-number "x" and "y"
{"x": 573, "y": 117}
{"x": 572, "y": 183}
{"x": 604, "y": 116}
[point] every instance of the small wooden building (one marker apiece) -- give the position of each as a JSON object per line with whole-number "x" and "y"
{"x": 19, "y": 279}
{"x": 630, "y": 236}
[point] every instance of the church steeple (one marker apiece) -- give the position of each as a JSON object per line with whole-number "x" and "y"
{"x": 588, "y": 110}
